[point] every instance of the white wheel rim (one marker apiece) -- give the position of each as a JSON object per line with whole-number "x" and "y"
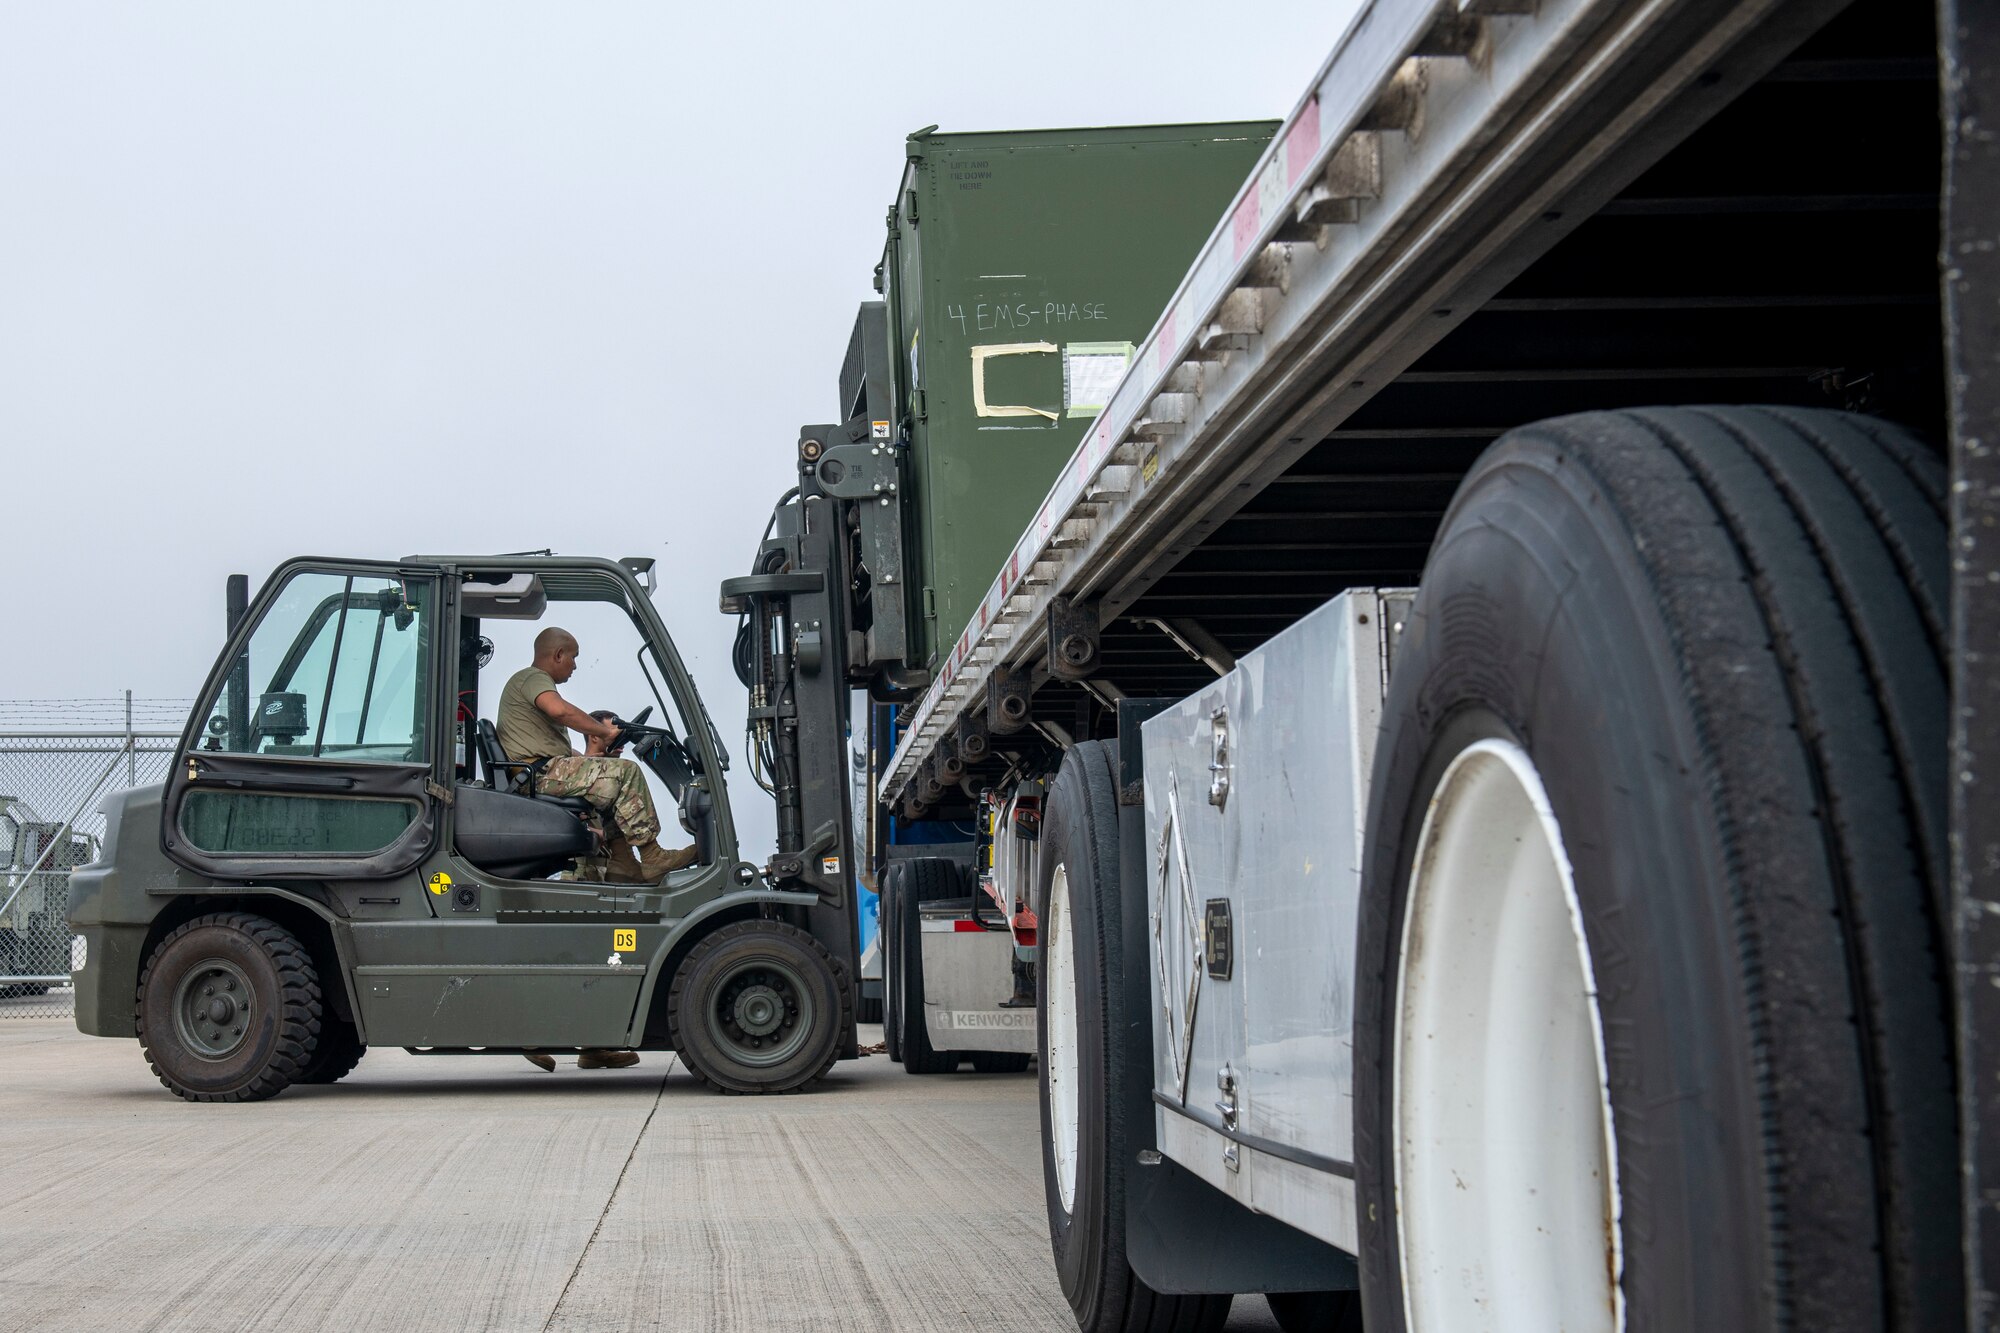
{"x": 1507, "y": 1207}
{"x": 1060, "y": 960}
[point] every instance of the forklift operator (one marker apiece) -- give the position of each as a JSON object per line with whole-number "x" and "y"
{"x": 531, "y": 722}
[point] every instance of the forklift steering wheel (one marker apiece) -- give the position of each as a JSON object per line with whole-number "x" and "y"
{"x": 625, "y": 729}
{"x": 658, "y": 749}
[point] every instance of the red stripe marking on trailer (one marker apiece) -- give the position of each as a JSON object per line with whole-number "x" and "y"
{"x": 1302, "y": 142}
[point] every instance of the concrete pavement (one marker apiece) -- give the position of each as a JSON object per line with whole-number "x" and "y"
{"x": 476, "y": 1192}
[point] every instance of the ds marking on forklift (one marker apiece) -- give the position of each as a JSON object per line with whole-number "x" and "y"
{"x": 625, "y": 941}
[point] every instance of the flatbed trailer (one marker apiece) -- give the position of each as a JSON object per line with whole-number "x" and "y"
{"x": 1413, "y": 384}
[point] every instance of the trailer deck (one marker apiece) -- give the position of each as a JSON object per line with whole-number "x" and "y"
{"x": 1472, "y": 220}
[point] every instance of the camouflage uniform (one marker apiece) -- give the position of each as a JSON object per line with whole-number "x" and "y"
{"x": 615, "y": 786}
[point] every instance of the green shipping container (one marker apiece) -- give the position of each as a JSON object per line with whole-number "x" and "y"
{"x": 1021, "y": 269}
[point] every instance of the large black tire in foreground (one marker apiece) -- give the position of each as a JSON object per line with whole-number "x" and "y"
{"x": 336, "y": 1053}
{"x": 1717, "y": 637}
{"x": 758, "y": 1007}
{"x": 923, "y": 879}
{"x": 228, "y": 1008}
{"x": 1083, "y": 1069}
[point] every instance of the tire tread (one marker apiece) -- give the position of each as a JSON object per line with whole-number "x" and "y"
{"x": 1778, "y": 581}
{"x": 298, "y": 982}
{"x": 925, "y": 879}
{"x": 1110, "y": 1297}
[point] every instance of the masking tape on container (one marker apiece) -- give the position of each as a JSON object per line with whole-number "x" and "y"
{"x": 980, "y": 356}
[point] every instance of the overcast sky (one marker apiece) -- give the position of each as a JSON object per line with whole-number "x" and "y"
{"x": 372, "y": 279}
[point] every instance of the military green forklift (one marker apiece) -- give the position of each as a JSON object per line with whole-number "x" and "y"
{"x": 342, "y": 857}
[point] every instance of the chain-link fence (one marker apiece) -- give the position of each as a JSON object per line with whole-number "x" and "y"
{"x": 58, "y": 759}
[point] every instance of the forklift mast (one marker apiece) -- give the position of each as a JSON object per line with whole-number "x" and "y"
{"x": 826, "y": 611}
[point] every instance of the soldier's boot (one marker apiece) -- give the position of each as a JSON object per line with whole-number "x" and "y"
{"x": 656, "y": 861}
{"x": 623, "y": 866}
{"x": 607, "y": 1059}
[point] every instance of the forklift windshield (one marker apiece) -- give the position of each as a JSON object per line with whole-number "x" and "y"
{"x": 336, "y": 669}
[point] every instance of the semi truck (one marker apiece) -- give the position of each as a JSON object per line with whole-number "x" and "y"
{"x": 1504, "y": 688}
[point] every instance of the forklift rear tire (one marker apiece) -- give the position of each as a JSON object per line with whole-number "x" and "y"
{"x": 1084, "y": 1070}
{"x": 925, "y": 879}
{"x": 758, "y": 1007}
{"x": 1653, "y": 1006}
{"x": 228, "y": 1009}
{"x": 340, "y": 1049}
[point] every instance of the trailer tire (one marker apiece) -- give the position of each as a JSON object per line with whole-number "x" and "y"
{"x": 749, "y": 982}
{"x": 1077, "y": 903}
{"x": 1671, "y": 707}
{"x": 924, "y": 879}
{"x": 260, "y": 1024}
{"x": 892, "y": 979}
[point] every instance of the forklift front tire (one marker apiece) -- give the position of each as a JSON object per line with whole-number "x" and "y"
{"x": 340, "y": 1048}
{"x": 228, "y": 1009}
{"x": 758, "y": 1007}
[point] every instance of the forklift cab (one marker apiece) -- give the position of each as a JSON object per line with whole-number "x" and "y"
{"x": 319, "y": 751}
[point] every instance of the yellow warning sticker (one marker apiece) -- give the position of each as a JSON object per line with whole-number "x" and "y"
{"x": 440, "y": 883}
{"x": 625, "y": 941}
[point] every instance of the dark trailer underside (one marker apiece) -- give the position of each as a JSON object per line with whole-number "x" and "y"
{"x": 1785, "y": 253}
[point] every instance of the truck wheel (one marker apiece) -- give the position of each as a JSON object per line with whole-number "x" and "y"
{"x": 758, "y": 1007}
{"x": 1316, "y": 1311}
{"x": 338, "y": 1051}
{"x": 228, "y": 1008}
{"x": 892, "y": 977}
{"x": 924, "y": 879}
{"x": 1652, "y": 1007}
{"x": 1083, "y": 1069}
{"x": 999, "y": 1062}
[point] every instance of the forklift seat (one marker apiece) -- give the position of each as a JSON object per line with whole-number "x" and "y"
{"x": 513, "y": 830}
{"x": 517, "y": 836}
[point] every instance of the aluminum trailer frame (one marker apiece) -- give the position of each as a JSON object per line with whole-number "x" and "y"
{"x": 1440, "y": 150}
